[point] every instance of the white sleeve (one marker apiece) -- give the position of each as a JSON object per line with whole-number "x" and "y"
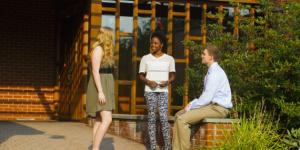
{"x": 210, "y": 88}
{"x": 142, "y": 65}
{"x": 172, "y": 65}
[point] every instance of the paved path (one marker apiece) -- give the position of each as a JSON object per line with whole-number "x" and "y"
{"x": 56, "y": 136}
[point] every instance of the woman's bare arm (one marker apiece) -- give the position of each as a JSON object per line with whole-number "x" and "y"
{"x": 96, "y": 57}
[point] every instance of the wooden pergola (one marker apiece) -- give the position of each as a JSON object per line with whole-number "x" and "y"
{"x": 74, "y": 77}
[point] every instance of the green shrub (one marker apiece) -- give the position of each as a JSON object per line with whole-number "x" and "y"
{"x": 269, "y": 72}
{"x": 257, "y": 132}
{"x": 292, "y": 139}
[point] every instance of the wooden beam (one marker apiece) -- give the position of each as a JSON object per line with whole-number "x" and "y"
{"x": 180, "y": 60}
{"x": 85, "y": 48}
{"x": 170, "y": 47}
{"x": 220, "y": 11}
{"x": 125, "y": 82}
{"x": 170, "y": 28}
{"x": 203, "y": 23}
{"x": 195, "y": 38}
{"x": 153, "y": 15}
{"x": 109, "y": 9}
{"x": 186, "y": 50}
{"x": 134, "y": 55}
{"x": 179, "y": 14}
{"x": 236, "y": 22}
{"x": 117, "y": 50}
{"x": 145, "y": 12}
{"x": 125, "y": 34}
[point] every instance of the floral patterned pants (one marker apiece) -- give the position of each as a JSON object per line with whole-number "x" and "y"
{"x": 160, "y": 100}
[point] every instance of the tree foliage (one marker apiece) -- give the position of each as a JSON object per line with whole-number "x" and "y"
{"x": 269, "y": 70}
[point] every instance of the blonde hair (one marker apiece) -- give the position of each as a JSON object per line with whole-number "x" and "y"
{"x": 105, "y": 40}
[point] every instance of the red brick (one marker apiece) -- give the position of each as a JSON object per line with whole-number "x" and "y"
{"x": 210, "y": 126}
{"x": 30, "y": 50}
{"x": 210, "y": 132}
{"x": 219, "y": 137}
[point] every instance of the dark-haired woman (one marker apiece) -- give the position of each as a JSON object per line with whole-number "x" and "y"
{"x": 157, "y": 71}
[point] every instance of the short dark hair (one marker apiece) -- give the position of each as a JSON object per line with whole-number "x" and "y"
{"x": 160, "y": 36}
{"x": 214, "y": 51}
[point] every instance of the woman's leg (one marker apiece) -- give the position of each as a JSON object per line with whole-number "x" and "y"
{"x": 163, "y": 114}
{"x": 151, "y": 99}
{"x": 106, "y": 117}
{"x": 96, "y": 125}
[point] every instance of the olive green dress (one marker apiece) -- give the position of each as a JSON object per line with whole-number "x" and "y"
{"x": 92, "y": 104}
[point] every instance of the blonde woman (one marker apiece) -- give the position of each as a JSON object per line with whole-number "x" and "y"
{"x": 100, "y": 91}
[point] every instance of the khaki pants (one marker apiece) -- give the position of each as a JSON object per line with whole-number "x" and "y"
{"x": 183, "y": 120}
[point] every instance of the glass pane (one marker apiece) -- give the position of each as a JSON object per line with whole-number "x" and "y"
{"x": 195, "y": 23}
{"x": 178, "y": 99}
{"x": 229, "y": 19}
{"x": 125, "y": 55}
{"x": 144, "y": 33}
{"x": 178, "y": 37}
{"x": 126, "y": 24}
{"x": 108, "y": 21}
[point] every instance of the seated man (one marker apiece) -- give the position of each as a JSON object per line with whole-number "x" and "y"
{"x": 214, "y": 101}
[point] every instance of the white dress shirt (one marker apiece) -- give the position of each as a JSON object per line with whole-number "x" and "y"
{"x": 216, "y": 89}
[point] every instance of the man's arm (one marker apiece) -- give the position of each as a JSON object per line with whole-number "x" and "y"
{"x": 210, "y": 88}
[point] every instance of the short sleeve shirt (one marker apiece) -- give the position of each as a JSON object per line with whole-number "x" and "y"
{"x": 157, "y": 69}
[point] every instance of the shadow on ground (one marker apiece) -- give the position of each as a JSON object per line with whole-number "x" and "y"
{"x": 107, "y": 143}
{"x": 10, "y": 129}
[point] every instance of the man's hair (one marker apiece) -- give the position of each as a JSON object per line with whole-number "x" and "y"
{"x": 214, "y": 51}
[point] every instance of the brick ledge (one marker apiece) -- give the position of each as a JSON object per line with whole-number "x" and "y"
{"x": 172, "y": 118}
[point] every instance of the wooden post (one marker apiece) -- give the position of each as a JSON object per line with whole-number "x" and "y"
{"x": 85, "y": 48}
{"x": 186, "y": 50}
{"x": 95, "y": 20}
{"x": 170, "y": 47}
{"x": 134, "y": 56}
{"x": 153, "y": 15}
{"x": 170, "y": 27}
{"x": 252, "y": 23}
{"x": 220, "y": 11}
{"x": 236, "y": 23}
{"x": 203, "y": 23}
{"x": 117, "y": 50}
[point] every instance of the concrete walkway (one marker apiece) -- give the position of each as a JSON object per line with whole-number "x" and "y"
{"x": 56, "y": 136}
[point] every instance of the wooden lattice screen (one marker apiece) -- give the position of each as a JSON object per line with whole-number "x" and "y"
{"x": 132, "y": 102}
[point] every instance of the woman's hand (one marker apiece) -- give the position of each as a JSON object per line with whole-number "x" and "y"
{"x": 163, "y": 83}
{"x": 101, "y": 98}
{"x": 152, "y": 84}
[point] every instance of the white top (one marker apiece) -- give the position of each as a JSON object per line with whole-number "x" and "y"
{"x": 157, "y": 69}
{"x": 216, "y": 89}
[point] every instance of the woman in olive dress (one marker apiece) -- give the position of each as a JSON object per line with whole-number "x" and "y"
{"x": 100, "y": 91}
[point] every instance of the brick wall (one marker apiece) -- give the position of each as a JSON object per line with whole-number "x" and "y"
{"x": 27, "y": 64}
{"x": 205, "y": 134}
